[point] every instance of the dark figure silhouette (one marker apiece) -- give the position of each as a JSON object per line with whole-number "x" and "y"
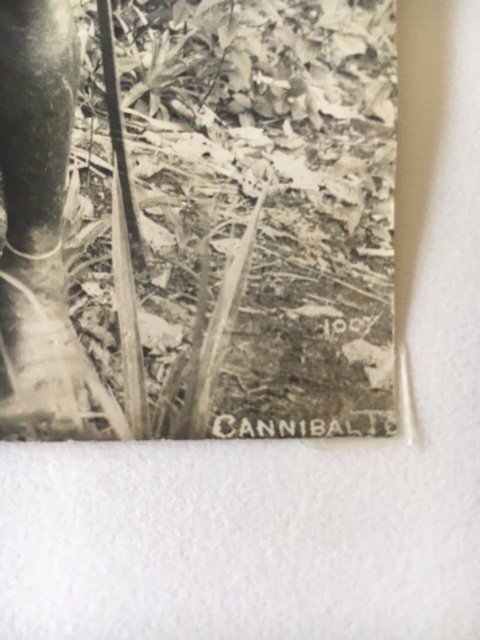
{"x": 39, "y": 65}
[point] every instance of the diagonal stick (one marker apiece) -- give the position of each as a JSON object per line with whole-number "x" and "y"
{"x": 115, "y": 117}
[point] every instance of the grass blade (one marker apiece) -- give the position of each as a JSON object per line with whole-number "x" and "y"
{"x": 221, "y": 325}
{"x": 179, "y": 427}
{"x": 136, "y": 401}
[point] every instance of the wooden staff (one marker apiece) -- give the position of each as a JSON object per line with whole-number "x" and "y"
{"x": 115, "y": 117}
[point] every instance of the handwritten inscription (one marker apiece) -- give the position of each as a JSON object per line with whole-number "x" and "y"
{"x": 339, "y": 326}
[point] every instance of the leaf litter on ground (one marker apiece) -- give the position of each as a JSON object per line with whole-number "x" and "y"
{"x": 196, "y": 156}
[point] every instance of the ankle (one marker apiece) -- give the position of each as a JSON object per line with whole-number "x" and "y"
{"x": 37, "y": 242}
{"x": 44, "y": 276}
{"x": 36, "y": 256}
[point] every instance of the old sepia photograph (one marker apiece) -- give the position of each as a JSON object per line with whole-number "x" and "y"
{"x": 196, "y": 219}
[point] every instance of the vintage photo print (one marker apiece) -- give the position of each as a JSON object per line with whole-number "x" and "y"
{"x": 197, "y": 219}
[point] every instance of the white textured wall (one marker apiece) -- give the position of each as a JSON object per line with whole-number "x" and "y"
{"x": 278, "y": 540}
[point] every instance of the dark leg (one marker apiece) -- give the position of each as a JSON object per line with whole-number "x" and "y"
{"x": 38, "y": 84}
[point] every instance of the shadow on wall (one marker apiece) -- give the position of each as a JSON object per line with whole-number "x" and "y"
{"x": 422, "y": 58}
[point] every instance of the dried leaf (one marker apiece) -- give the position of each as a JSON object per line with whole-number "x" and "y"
{"x": 314, "y": 311}
{"x": 348, "y": 45}
{"x": 157, "y": 334}
{"x": 353, "y": 220}
{"x": 196, "y": 146}
{"x": 368, "y": 252}
{"x": 145, "y": 167}
{"x": 319, "y": 101}
{"x": 155, "y": 235}
{"x": 94, "y": 289}
{"x": 226, "y": 246}
{"x": 252, "y": 136}
{"x": 294, "y": 170}
{"x": 378, "y": 361}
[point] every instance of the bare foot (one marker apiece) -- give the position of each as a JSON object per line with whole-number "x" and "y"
{"x": 40, "y": 349}
{"x": 47, "y": 383}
